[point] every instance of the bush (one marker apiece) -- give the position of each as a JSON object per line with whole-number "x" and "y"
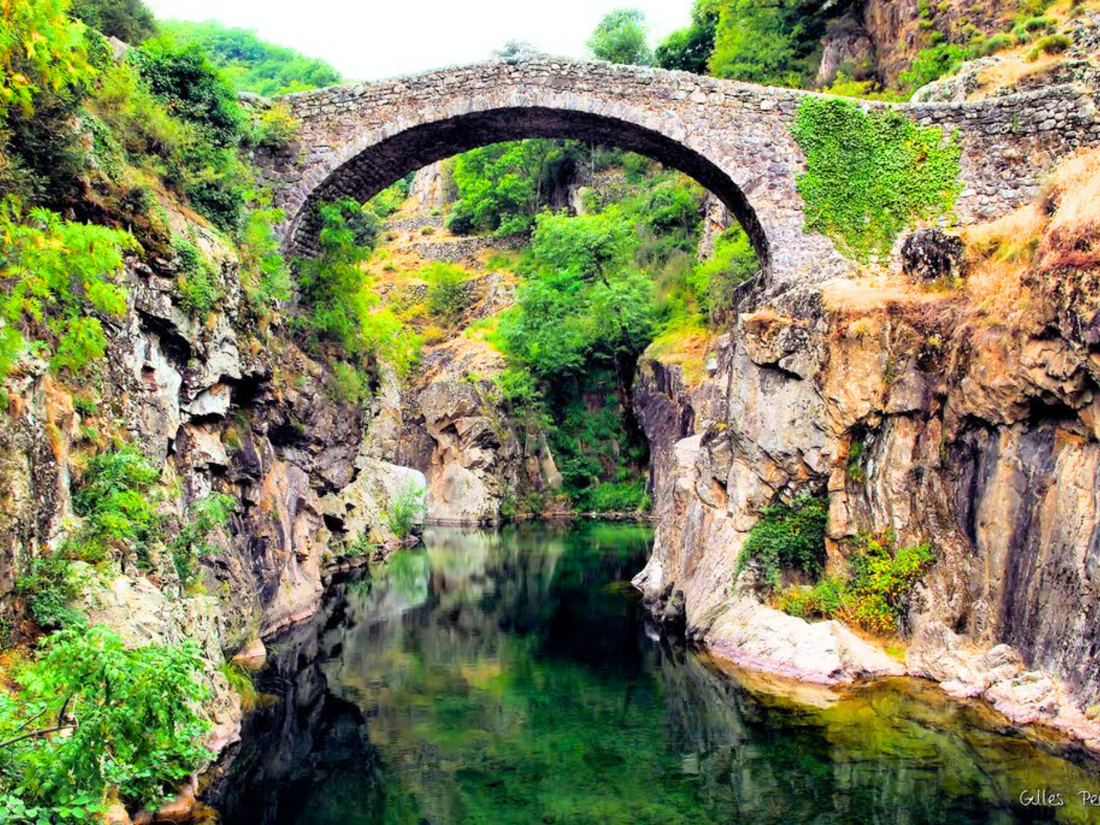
{"x": 714, "y": 281}
{"x": 138, "y": 735}
{"x": 114, "y": 497}
{"x": 875, "y": 593}
{"x": 198, "y": 287}
{"x": 50, "y": 587}
{"x": 276, "y": 129}
{"x": 406, "y": 509}
{"x": 130, "y": 21}
{"x": 264, "y": 274}
{"x": 932, "y": 63}
{"x": 191, "y": 543}
{"x": 448, "y": 294}
{"x": 614, "y": 497}
{"x": 788, "y": 537}
{"x": 53, "y": 275}
{"x": 1051, "y": 44}
{"x": 348, "y": 386}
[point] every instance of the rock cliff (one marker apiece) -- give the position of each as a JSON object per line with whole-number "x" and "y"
{"x": 981, "y": 439}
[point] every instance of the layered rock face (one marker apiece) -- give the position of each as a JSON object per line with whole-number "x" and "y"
{"x": 223, "y": 408}
{"x": 981, "y": 441}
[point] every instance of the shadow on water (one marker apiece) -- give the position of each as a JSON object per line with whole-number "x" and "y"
{"x": 509, "y": 677}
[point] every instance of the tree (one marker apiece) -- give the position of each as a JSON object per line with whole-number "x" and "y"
{"x": 502, "y": 187}
{"x": 252, "y": 64}
{"x": 40, "y": 48}
{"x": 130, "y": 21}
{"x": 689, "y": 50}
{"x": 620, "y": 37}
{"x": 769, "y": 41}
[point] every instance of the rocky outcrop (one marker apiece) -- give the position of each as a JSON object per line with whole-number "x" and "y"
{"x": 220, "y": 406}
{"x": 980, "y": 440}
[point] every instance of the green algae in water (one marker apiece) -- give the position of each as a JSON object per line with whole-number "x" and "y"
{"x": 509, "y": 678}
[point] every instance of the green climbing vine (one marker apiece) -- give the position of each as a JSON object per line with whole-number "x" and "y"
{"x": 871, "y": 174}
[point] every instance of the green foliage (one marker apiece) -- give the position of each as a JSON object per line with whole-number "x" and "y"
{"x": 620, "y": 37}
{"x": 502, "y": 187}
{"x": 251, "y": 64}
{"x": 333, "y": 285}
{"x": 689, "y": 50}
{"x": 54, "y": 274}
{"x": 448, "y": 295}
{"x": 874, "y": 594}
{"x": 406, "y": 509}
{"x": 871, "y": 174}
{"x": 264, "y": 274}
{"x": 788, "y": 537}
{"x": 114, "y": 498}
{"x": 41, "y": 48}
{"x": 131, "y": 21}
{"x": 1051, "y": 44}
{"x": 932, "y": 63}
{"x": 614, "y": 497}
{"x": 93, "y": 716}
{"x": 243, "y": 683}
{"x": 389, "y": 200}
{"x": 198, "y": 285}
{"x": 348, "y": 385}
{"x": 714, "y": 280}
{"x": 193, "y": 90}
{"x": 50, "y": 587}
{"x": 205, "y": 516}
{"x": 772, "y": 43}
{"x": 335, "y": 291}
{"x": 276, "y": 128}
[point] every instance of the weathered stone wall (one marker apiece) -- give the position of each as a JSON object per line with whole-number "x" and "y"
{"x": 464, "y": 249}
{"x": 734, "y": 138}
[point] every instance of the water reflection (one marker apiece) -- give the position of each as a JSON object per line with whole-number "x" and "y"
{"x": 507, "y": 677}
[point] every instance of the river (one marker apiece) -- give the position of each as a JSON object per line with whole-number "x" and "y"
{"x": 510, "y": 677}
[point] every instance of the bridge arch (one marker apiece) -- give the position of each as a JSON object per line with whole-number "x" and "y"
{"x": 373, "y": 164}
{"x": 734, "y": 138}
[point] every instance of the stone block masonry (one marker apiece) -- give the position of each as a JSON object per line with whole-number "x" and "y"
{"x": 734, "y": 138}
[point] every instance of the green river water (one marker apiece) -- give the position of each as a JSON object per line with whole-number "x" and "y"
{"x": 510, "y": 677}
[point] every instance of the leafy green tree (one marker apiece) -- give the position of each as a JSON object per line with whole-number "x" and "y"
{"x": 503, "y": 186}
{"x": 620, "y": 37}
{"x": 131, "y": 21}
{"x": 41, "y": 48}
{"x": 335, "y": 292}
{"x": 57, "y": 278}
{"x": 689, "y": 50}
{"x": 93, "y": 715}
{"x": 193, "y": 90}
{"x": 251, "y": 64}
{"x": 769, "y": 41}
{"x": 114, "y": 497}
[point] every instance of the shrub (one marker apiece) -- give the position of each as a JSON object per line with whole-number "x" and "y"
{"x": 265, "y": 276}
{"x": 788, "y": 537}
{"x": 875, "y": 593}
{"x": 53, "y": 275}
{"x": 191, "y": 543}
{"x": 243, "y": 683}
{"x": 406, "y": 509}
{"x": 114, "y": 497}
{"x": 347, "y": 385}
{"x": 932, "y": 63}
{"x": 614, "y": 497}
{"x": 139, "y": 733}
{"x": 198, "y": 287}
{"x": 1051, "y": 44}
{"x": 448, "y": 295}
{"x": 130, "y": 21}
{"x": 714, "y": 281}
{"x": 276, "y": 129}
{"x": 50, "y": 587}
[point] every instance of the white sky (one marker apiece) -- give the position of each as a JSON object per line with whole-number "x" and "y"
{"x": 372, "y": 39}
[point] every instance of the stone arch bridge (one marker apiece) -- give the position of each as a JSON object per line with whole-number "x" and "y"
{"x": 734, "y": 138}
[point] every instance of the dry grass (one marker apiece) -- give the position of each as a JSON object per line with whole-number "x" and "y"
{"x": 999, "y": 256}
{"x": 1073, "y": 234}
{"x": 876, "y": 293}
{"x": 1014, "y": 68}
{"x": 686, "y": 347}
